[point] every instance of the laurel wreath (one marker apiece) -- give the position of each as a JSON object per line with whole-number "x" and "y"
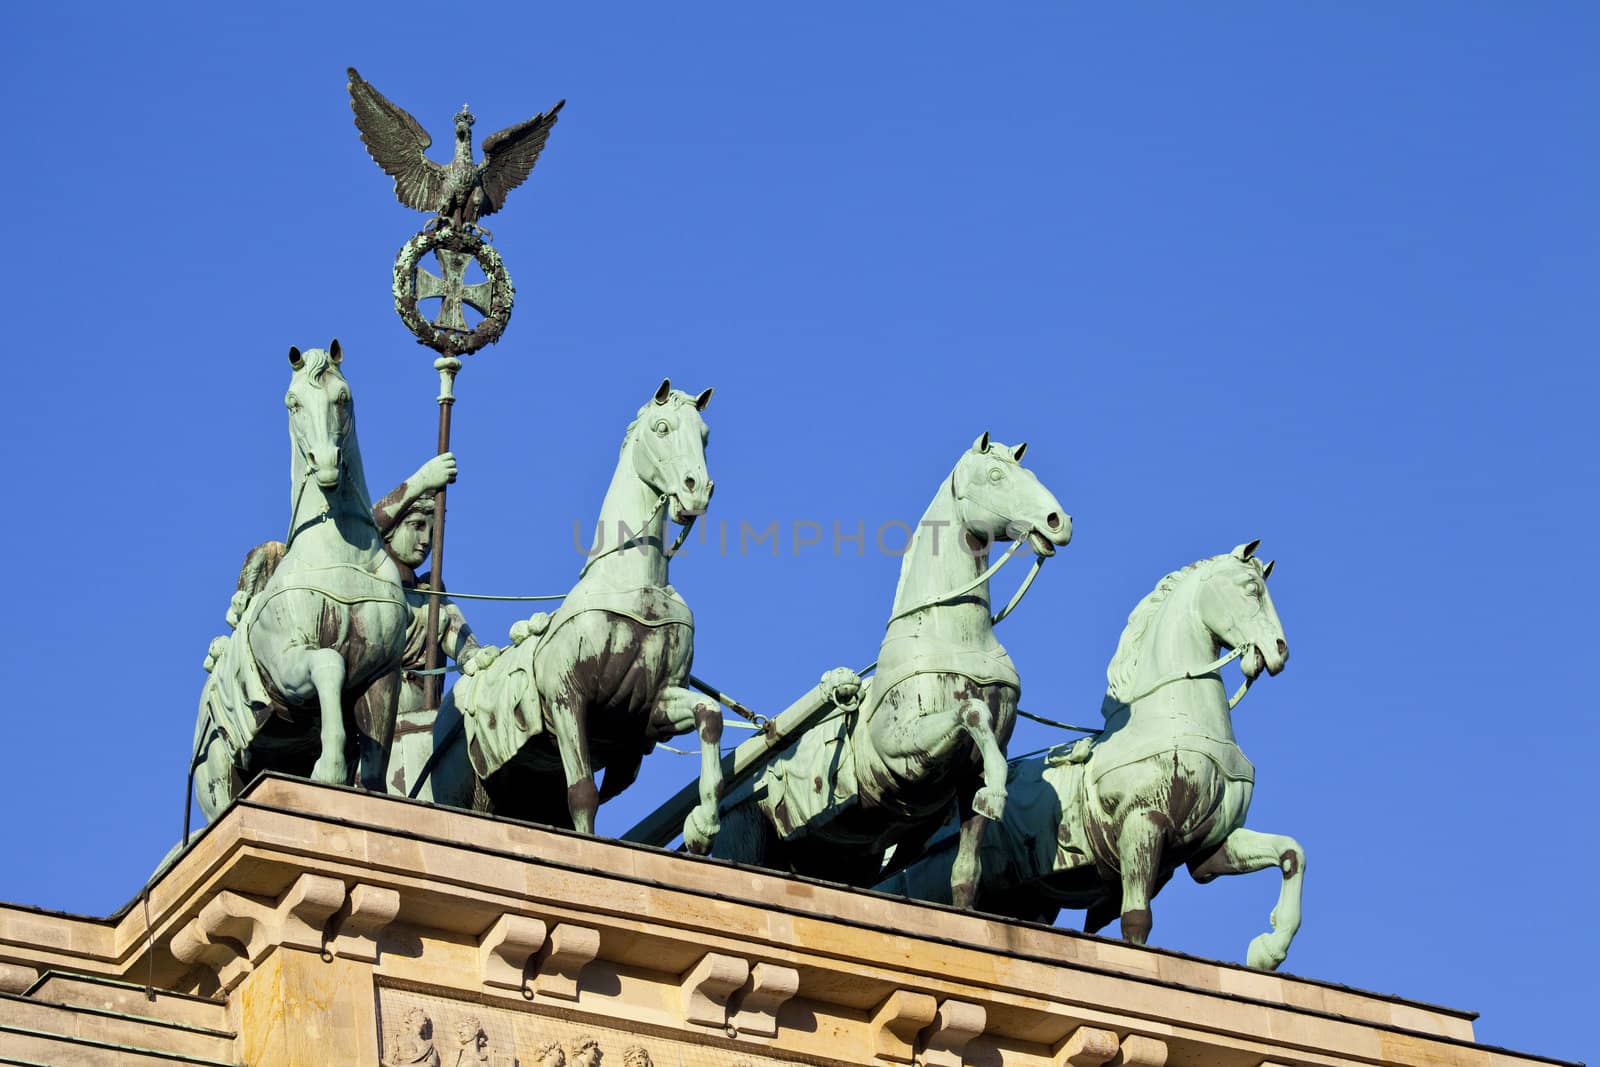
{"x": 502, "y": 294}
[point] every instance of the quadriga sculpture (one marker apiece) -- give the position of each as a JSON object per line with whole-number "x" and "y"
{"x": 1106, "y": 825}
{"x": 599, "y": 681}
{"x": 320, "y": 628}
{"x": 930, "y": 733}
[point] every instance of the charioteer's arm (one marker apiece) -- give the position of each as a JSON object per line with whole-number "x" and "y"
{"x": 455, "y": 636}
{"x": 432, "y": 476}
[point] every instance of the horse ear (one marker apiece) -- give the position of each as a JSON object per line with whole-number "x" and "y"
{"x": 665, "y": 391}
{"x": 335, "y": 353}
{"x": 1246, "y": 551}
{"x": 702, "y": 400}
{"x": 1016, "y": 453}
{"x": 1266, "y": 572}
{"x": 982, "y": 443}
{"x": 296, "y": 360}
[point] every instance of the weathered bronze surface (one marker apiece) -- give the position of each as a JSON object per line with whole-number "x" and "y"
{"x": 1104, "y": 824}
{"x": 930, "y": 734}
{"x": 309, "y": 677}
{"x": 598, "y": 682}
{"x": 459, "y": 192}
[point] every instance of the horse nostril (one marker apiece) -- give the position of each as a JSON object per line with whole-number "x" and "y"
{"x": 688, "y": 483}
{"x": 1283, "y": 647}
{"x": 1053, "y": 520}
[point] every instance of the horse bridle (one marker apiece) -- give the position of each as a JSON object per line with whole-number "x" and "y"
{"x": 642, "y": 538}
{"x": 993, "y": 569}
{"x": 1193, "y": 676}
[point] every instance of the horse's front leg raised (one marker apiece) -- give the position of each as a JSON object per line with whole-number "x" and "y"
{"x": 678, "y": 711}
{"x": 374, "y": 718}
{"x": 934, "y": 739}
{"x": 1245, "y": 851}
{"x": 987, "y": 803}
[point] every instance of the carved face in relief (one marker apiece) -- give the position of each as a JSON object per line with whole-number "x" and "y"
{"x": 473, "y": 1041}
{"x": 549, "y": 1055}
{"x": 1001, "y": 500}
{"x": 414, "y": 1041}
{"x": 583, "y": 1052}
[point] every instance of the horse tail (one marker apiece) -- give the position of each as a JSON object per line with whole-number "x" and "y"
{"x": 259, "y": 564}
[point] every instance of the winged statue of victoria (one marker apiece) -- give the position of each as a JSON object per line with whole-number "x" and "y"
{"x": 462, "y": 191}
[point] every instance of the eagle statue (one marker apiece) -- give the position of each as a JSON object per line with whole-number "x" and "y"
{"x": 459, "y": 192}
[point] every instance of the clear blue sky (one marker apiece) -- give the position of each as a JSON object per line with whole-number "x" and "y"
{"x": 1323, "y": 275}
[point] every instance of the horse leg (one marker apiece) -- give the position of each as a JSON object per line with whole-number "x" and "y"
{"x": 374, "y": 717}
{"x": 990, "y": 800}
{"x": 572, "y": 738}
{"x": 678, "y": 711}
{"x": 323, "y": 668}
{"x": 1139, "y": 855}
{"x": 1244, "y": 851}
{"x": 933, "y": 738}
{"x": 968, "y": 866}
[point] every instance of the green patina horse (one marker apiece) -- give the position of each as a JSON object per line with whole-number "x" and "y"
{"x": 320, "y": 619}
{"x": 598, "y": 682}
{"x": 1105, "y": 825}
{"x": 930, "y": 734}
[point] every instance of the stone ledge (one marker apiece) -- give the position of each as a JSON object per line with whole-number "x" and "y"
{"x": 512, "y": 917}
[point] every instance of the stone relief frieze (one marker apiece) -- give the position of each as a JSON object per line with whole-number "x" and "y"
{"x": 424, "y": 1030}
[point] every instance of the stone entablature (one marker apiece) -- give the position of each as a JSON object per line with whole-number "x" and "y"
{"x": 344, "y": 927}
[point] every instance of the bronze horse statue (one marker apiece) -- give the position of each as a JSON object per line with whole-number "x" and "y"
{"x": 598, "y": 682}
{"x": 307, "y": 681}
{"x": 929, "y": 736}
{"x": 1105, "y": 824}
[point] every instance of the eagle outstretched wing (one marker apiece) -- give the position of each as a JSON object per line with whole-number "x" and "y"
{"x": 509, "y": 156}
{"x": 398, "y": 144}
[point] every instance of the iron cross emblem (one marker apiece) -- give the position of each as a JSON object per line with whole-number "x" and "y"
{"x": 450, "y": 286}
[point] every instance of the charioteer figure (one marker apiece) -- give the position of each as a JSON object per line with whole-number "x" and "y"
{"x": 405, "y": 518}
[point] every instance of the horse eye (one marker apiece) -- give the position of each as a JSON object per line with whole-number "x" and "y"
{"x": 291, "y": 402}
{"x": 1253, "y": 588}
{"x": 995, "y": 474}
{"x": 661, "y": 427}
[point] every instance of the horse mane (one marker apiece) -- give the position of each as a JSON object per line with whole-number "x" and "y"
{"x": 1125, "y": 661}
{"x": 315, "y": 363}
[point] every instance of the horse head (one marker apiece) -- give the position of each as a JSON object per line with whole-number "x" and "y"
{"x": 670, "y": 453}
{"x": 1235, "y": 605}
{"x": 321, "y": 413}
{"x": 1000, "y": 500}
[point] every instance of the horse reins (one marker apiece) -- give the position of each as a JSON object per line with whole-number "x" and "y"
{"x": 1193, "y": 676}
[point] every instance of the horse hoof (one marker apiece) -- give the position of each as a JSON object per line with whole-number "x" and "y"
{"x": 335, "y": 771}
{"x": 990, "y": 803}
{"x": 700, "y": 832}
{"x": 1263, "y": 955}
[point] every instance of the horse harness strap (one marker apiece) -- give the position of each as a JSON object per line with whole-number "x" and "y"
{"x": 1192, "y": 676}
{"x": 963, "y": 590}
{"x": 633, "y": 542}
